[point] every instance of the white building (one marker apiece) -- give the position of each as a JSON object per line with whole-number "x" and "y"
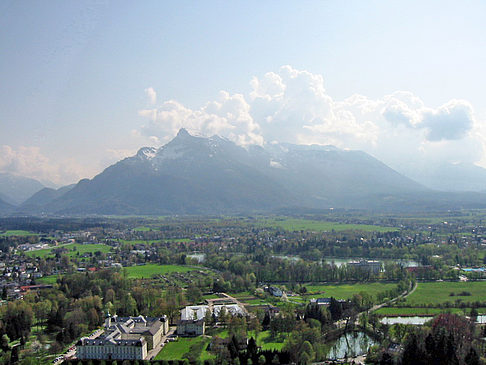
{"x": 192, "y": 317}
{"x": 127, "y": 338}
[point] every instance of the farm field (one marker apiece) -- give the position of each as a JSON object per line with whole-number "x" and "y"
{"x": 346, "y": 291}
{"x": 149, "y": 270}
{"x": 435, "y": 293}
{"x": 177, "y": 349}
{"x": 17, "y": 233}
{"x": 73, "y": 250}
{"x": 291, "y": 224}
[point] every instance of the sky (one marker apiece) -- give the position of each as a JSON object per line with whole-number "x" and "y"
{"x": 84, "y": 84}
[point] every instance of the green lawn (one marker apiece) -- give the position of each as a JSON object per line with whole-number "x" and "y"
{"x": 144, "y": 229}
{"x": 436, "y": 293}
{"x": 73, "y": 250}
{"x": 51, "y": 279}
{"x": 267, "y": 342}
{"x": 291, "y": 224}
{"x": 149, "y": 270}
{"x": 176, "y": 350}
{"x": 17, "y": 233}
{"x": 346, "y": 291}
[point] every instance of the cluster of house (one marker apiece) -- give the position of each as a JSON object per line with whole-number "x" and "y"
{"x": 124, "y": 338}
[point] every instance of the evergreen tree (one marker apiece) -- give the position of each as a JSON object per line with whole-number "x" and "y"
{"x": 472, "y": 357}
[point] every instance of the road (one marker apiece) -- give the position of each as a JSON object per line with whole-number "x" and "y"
{"x": 403, "y": 295}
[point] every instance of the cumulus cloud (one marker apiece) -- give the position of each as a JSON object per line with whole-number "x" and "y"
{"x": 29, "y": 161}
{"x": 292, "y": 105}
{"x": 228, "y": 116}
{"x": 151, "y": 95}
{"x": 449, "y": 122}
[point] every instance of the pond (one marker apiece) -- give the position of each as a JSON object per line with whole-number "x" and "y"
{"x": 416, "y": 320}
{"x": 351, "y": 344}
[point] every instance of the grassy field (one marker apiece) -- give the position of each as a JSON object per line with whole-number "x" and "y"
{"x": 149, "y": 270}
{"x": 144, "y": 229}
{"x": 176, "y": 350}
{"x": 17, "y": 233}
{"x": 266, "y": 341}
{"x": 73, "y": 250}
{"x": 291, "y": 224}
{"x": 51, "y": 279}
{"x": 436, "y": 293}
{"x": 406, "y": 312}
{"x": 346, "y": 291}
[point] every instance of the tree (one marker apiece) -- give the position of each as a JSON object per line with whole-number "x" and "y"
{"x": 193, "y": 294}
{"x": 255, "y": 326}
{"x": 472, "y": 357}
{"x": 307, "y": 349}
{"x": 261, "y": 360}
{"x": 4, "y": 343}
{"x": 222, "y": 315}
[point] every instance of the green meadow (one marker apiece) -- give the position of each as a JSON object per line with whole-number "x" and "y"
{"x": 73, "y": 249}
{"x": 150, "y": 270}
{"x": 437, "y": 293}
{"x": 17, "y": 233}
{"x": 346, "y": 291}
{"x": 291, "y": 224}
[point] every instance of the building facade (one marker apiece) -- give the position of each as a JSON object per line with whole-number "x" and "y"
{"x": 124, "y": 338}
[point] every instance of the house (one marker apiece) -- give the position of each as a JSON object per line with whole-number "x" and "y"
{"x": 191, "y": 327}
{"x": 321, "y": 301}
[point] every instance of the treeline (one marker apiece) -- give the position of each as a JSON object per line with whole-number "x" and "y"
{"x": 272, "y": 269}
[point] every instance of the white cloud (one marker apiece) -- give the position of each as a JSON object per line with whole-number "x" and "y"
{"x": 293, "y": 106}
{"x": 228, "y": 116}
{"x": 151, "y": 94}
{"x": 29, "y": 161}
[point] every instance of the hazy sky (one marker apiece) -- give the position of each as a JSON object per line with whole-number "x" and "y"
{"x": 83, "y": 84}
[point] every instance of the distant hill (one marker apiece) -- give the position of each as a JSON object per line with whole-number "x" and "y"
{"x": 42, "y": 198}
{"x": 195, "y": 175}
{"x": 16, "y": 189}
{"x": 5, "y": 207}
{"x": 452, "y": 177}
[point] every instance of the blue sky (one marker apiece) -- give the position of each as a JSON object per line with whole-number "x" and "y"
{"x": 74, "y": 78}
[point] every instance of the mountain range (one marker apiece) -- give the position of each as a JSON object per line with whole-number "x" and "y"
{"x": 197, "y": 175}
{"x": 15, "y": 189}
